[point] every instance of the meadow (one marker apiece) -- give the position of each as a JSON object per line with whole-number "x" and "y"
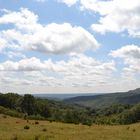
{"x": 13, "y": 129}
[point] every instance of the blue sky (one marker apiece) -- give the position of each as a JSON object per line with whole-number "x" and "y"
{"x": 69, "y": 46}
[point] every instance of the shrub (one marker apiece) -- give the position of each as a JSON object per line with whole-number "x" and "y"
{"x": 36, "y": 122}
{"x": 26, "y": 127}
{"x": 128, "y": 128}
{"x": 36, "y": 117}
{"x": 44, "y": 129}
{"x": 87, "y": 122}
{"x": 25, "y": 116}
{"x": 10, "y": 112}
{"x": 134, "y": 130}
{"x": 4, "y": 116}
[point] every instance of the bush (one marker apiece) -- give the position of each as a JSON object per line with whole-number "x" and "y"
{"x": 26, "y": 127}
{"x": 128, "y": 128}
{"x": 134, "y": 130}
{"x": 4, "y": 116}
{"x": 88, "y": 122}
{"x": 12, "y": 113}
{"x": 36, "y": 122}
{"x": 36, "y": 117}
{"x": 44, "y": 129}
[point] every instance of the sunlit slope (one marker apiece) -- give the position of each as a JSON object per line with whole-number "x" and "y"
{"x": 13, "y": 129}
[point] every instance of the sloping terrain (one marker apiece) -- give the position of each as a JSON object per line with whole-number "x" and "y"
{"x": 104, "y": 100}
{"x": 13, "y": 129}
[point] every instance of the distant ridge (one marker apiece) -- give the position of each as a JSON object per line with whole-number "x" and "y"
{"x": 104, "y": 100}
{"x": 61, "y": 96}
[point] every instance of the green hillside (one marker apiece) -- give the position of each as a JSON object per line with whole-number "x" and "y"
{"x": 29, "y": 107}
{"x": 105, "y": 100}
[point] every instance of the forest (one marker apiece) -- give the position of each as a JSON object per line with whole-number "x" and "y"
{"x": 32, "y": 108}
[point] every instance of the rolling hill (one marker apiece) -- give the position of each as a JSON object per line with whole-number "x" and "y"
{"x": 104, "y": 100}
{"x": 115, "y": 108}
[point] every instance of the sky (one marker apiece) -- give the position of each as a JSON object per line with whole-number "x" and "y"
{"x": 69, "y": 46}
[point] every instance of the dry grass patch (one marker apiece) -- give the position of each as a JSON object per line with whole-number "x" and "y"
{"x": 61, "y": 131}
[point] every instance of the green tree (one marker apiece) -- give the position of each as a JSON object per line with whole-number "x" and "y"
{"x": 28, "y": 104}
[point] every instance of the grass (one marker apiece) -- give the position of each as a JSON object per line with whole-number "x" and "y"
{"x": 13, "y": 129}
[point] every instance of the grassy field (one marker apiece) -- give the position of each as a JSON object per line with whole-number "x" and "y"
{"x": 13, "y": 129}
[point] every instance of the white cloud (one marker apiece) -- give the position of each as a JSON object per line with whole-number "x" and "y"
{"x": 64, "y": 38}
{"x": 51, "y": 38}
{"x": 2, "y": 44}
{"x": 78, "y": 74}
{"x": 31, "y": 64}
{"x": 129, "y": 51}
{"x": 68, "y": 2}
{"x": 20, "y": 19}
{"x": 27, "y": 35}
{"x": 115, "y": 15}
{"x": 131, "y": 56}
{"x": 59, "y": 73}
{"x": 79, "y": 64}
{"x": 79, "y": 71}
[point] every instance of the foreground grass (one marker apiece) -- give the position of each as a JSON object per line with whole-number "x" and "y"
{"x": 13, "y": 129}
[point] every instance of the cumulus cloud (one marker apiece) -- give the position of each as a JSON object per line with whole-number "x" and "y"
{"x": 31, "y": 64}
{"x": 129, "y": 51}
{"x": 26, "y": 35}
{"x": 79, "y": 64}
{"x": 60, "y": 73}
{"x": 20, "y": 19}
{"x": 131, "y": 56}
{"x": 52, "y": 38}
{"x": 115, "y": 15}
{"x": 62, "y": 38}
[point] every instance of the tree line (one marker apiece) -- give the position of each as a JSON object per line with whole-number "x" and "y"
{"x": 35, "y": 108}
